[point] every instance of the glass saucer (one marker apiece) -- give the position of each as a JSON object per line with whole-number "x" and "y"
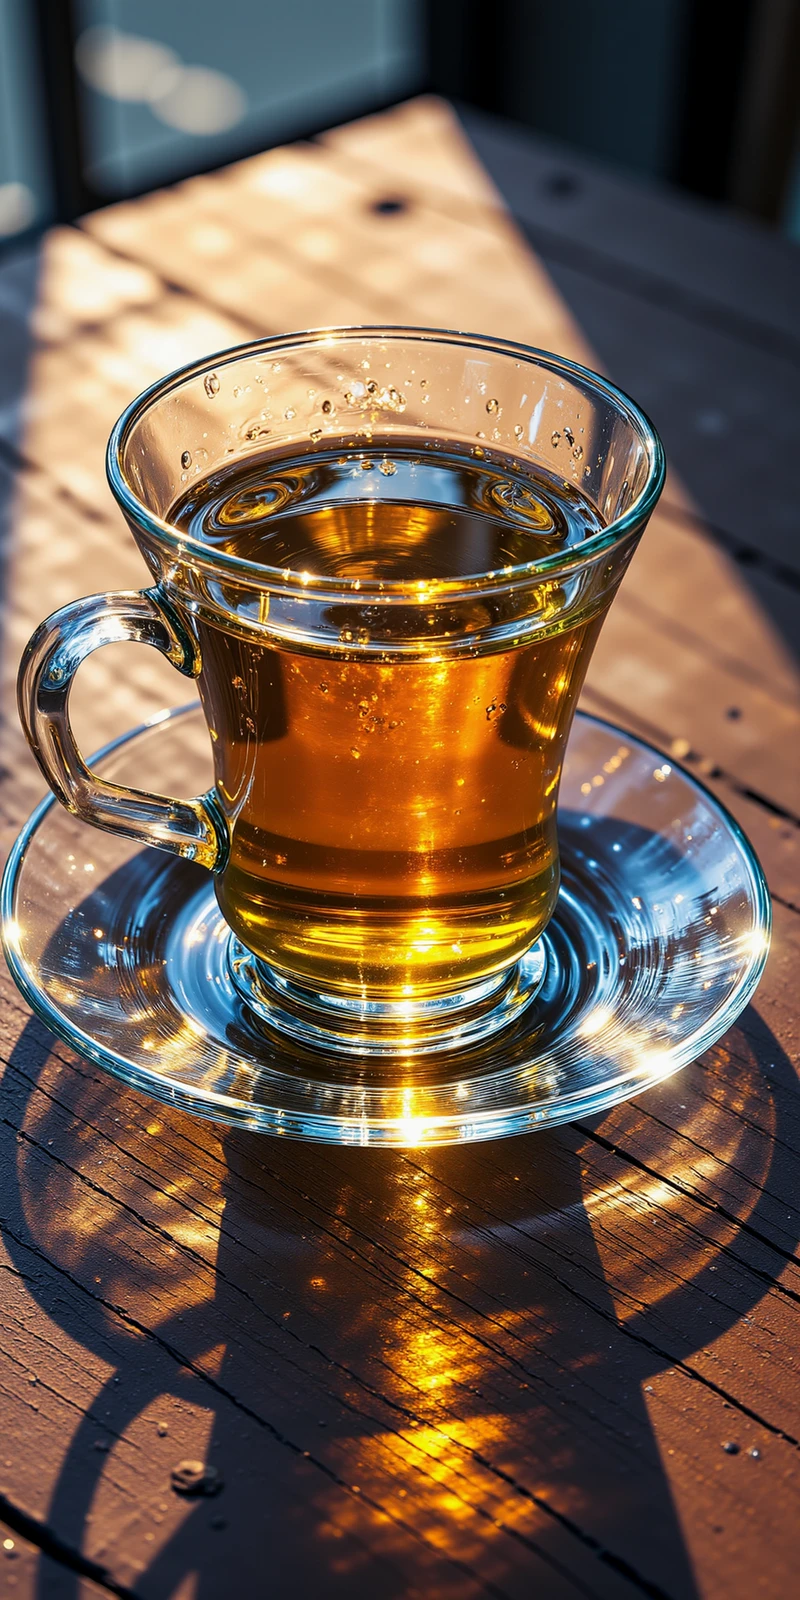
{"x": 658, "y": 941}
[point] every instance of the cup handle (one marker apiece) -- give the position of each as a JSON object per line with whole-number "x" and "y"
{"x": 194, "y": 828}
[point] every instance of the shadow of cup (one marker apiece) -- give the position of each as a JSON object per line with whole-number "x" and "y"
{"x": 455, "y": 1311}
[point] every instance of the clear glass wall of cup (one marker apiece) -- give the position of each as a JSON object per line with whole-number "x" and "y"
{"x": 387, "y": 738}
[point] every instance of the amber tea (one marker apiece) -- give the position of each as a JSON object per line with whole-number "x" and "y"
{"x": 391, "y": 815}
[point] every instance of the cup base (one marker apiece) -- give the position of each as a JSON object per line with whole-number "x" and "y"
{"x": 395, "y": 1028}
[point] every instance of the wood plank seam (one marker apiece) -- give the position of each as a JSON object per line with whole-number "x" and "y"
{"x": 698, "y": 1198}
{"x": 66, "y": 1555}
{"x": 657, "y": 291}
{"x": 747, "y": 555}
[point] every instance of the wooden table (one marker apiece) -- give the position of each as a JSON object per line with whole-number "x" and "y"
{"x": 560, "y": 1365}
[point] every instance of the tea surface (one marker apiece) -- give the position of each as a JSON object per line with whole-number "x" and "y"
{"x": 392, "y": 514}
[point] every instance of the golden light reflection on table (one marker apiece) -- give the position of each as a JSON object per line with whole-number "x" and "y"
{"x": 450, "y": 1409}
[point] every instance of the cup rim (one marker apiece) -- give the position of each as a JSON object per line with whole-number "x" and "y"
{"x": 261, "y": 575}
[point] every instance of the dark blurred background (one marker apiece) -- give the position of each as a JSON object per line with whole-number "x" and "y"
{"x": 105, "y": 98}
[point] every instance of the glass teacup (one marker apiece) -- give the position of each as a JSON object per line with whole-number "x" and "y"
{"x": 385, "y": 555}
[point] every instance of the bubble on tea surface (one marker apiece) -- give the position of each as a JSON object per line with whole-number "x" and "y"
{"x": 251, "y": 505}
{"x": 211, "y": 384}
{"x": 186, "y": 459}
{"x": 327, "y": 407}
{"x": 508, "y": 495}
{"x": 315, "y": 435}
{"x": 387, "y": 467}
{"x": 555, "y": 438}
{"x": 493, "y": 407}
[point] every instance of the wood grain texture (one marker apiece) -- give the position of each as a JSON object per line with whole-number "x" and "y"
{"x": 26, "y": 1568}
{"x": 499, "y": 1371}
